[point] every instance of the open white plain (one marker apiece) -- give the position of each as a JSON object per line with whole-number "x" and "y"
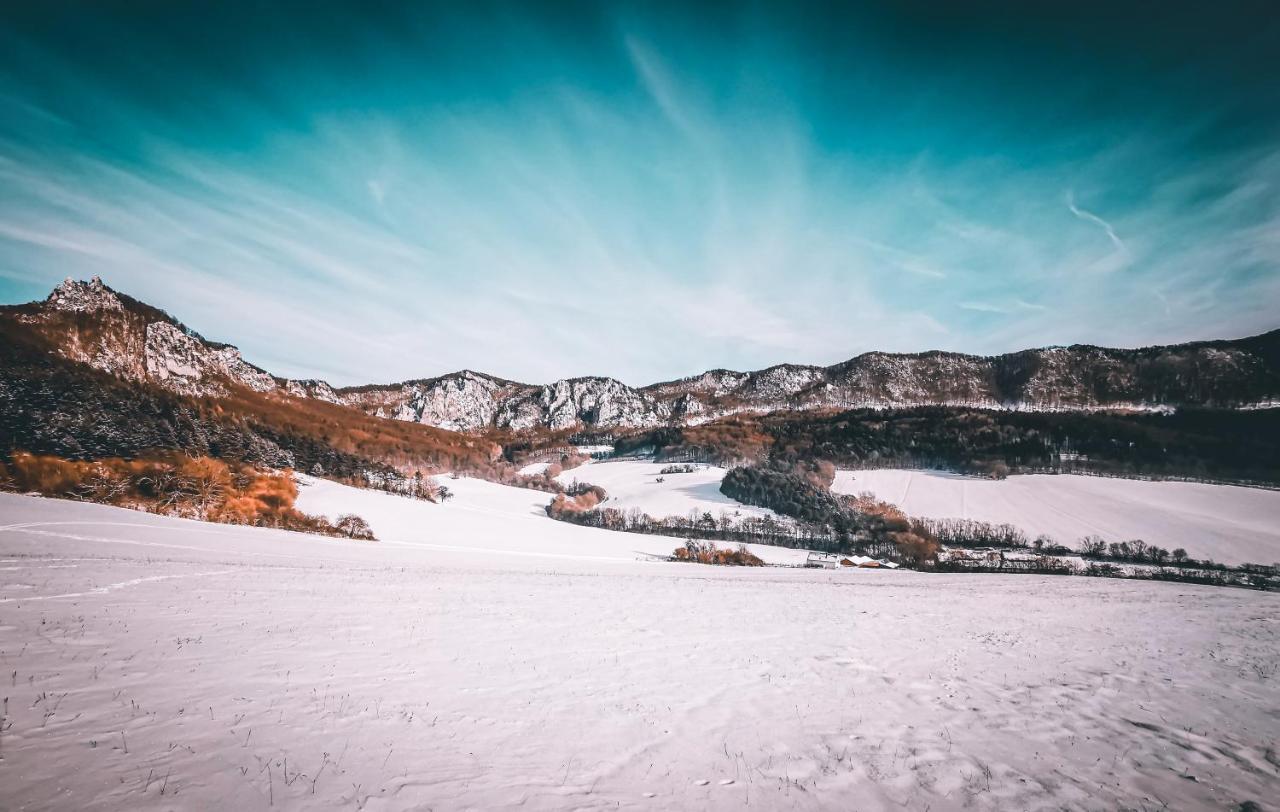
{"x": 482, "y": 656}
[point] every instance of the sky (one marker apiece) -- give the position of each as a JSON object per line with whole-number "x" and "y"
{"x": 373, "y": 192}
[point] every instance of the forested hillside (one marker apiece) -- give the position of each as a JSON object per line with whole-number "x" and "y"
{"x": 90, "y": 372}
{"x": 1208, "y": 444}
{"x": 51, "y": 405}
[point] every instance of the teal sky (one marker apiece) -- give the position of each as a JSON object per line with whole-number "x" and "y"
{"x": 374, "y": 191}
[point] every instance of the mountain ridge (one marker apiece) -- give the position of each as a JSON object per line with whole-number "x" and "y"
{"x": 111, "y": 331}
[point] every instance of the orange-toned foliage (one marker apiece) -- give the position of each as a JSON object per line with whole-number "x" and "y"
{"x": 47, "y": 474}
{"x": 581, "y": 503}
{"x": 405, "y": 446}
{"x": 705, "y": 552}
{"x": 915, "y": 549}
{"x": 737, "y": 438}
{"x": 176, "y": 484}
{"x": 868, "y": 504}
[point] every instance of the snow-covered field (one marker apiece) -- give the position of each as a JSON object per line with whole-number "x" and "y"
{"x": 485, "y": 657}
{"x": 494, "y": 520}
{"x": 1229, "y": 524}
{"x": 633, "y": 483}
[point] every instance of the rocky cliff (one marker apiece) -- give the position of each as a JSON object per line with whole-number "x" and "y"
{"x": 90, "y": 323}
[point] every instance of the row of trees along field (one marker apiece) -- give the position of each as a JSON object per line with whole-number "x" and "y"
{"x": 809, "y": 516}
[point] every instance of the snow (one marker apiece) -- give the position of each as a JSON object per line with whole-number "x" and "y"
{"x": 534, "y": 468}
{"x": 1229, "y": 524}
{"x": 633, "y": 483}
{"x": 156, "y": 663}
{"x": 593, "y": 449}
{"x": 494, "y": 520}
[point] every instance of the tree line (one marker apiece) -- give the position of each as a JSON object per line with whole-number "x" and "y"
{"x": 1201, "y": 444}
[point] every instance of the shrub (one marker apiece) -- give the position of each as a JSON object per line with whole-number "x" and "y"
{"x": 47, "y": 475}
{"x": 867, "y": 504}
{"x": 678, "y": 469}
{"x": 706, "y": 552}
{"x": 354, "y": 527}
{"x": 582, "y": 488}
{"x": 265, "y": 501}
{"x": 584, "y": 500}
{"x": 176, "y": 484}
{"x": 914, "y": 549}
{"x": 995, "y": 470}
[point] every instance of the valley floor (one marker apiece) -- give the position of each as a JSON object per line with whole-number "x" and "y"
{"x": 482, "y": 656}
{"x": 635, "y": 484}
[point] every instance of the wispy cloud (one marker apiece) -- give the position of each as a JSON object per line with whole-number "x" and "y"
{"x": 622, "y": 204}
{"x": 1014, "y": 306}
{"x": 1090, "y": 217}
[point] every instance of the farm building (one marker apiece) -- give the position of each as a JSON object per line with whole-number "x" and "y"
{"x": 866, "y": 562}
{"x": 827, "y": 561}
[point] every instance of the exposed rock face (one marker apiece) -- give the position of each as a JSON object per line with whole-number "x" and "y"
{"x": 189, "y": 366}
{"x": 84, "y": 297}
{"x": 87, "y": 322}
{"x": 712, "y": 383}
{"x": 1229, "y": 374}
{"x": 311, "y": 388}
{"x": 597, "y": 402}
{"x": 463, "y": 401}
{"x": 90, "y": 323}
{"x": 470, "y": 401}
{"x": 93, "y": 324}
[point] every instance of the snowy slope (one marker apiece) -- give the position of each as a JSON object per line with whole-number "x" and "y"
{"x": 491, "y": 519}
{"x": 1229, "y": 524}
{"x": 634, "y": 484}
{"x": 154, "y": 663}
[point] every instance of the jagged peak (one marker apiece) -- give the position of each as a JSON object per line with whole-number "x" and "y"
{"x": 414, "y": 383}
{"x": 777, "y": 369}
{"x": 468, "y": 399}
{"x": 589, "y": 380}
{"x": 84, "y": 297}
{"x": 710, "y": 374}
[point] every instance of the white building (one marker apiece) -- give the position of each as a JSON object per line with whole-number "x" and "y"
{"x": 826, "y": 561}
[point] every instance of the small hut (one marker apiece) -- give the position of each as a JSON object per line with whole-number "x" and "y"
{"x": 826, "y": 561}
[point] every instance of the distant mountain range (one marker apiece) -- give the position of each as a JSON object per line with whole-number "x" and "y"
{"x": 90, "y": 323}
